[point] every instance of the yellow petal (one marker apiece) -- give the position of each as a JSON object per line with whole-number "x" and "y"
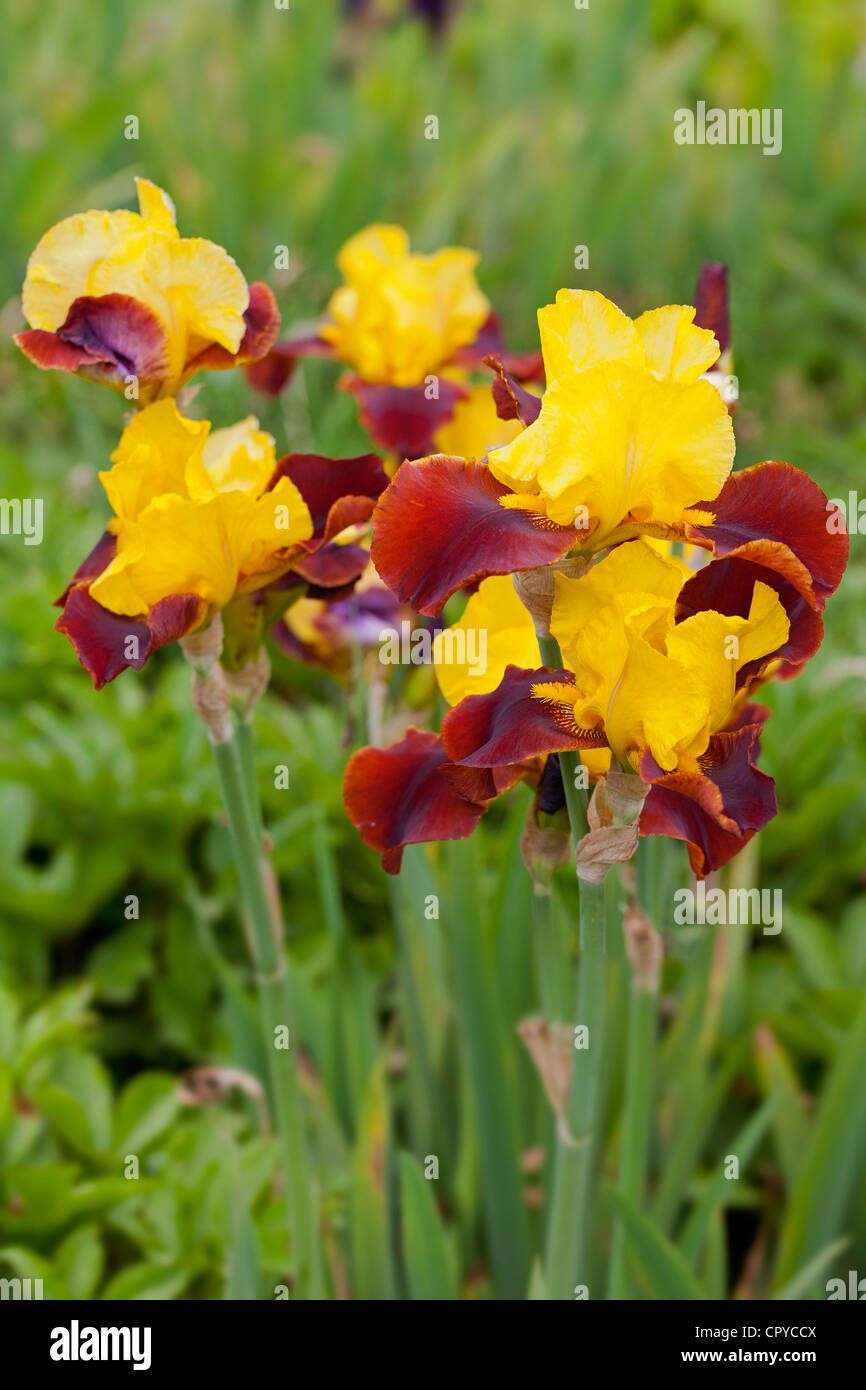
{"x": 365, "y": 253}
{"x": 260, "y": 528}
{"x": 175, "y": 547}
{"x": 160, "y": 451}
{"x": 475, "y": 428}
{"x": 241, "y": 456}
{"x": 612, "y": 624}
{"x": 192, "y": 285}
{"x": 674, "y": 347}
{"x": 59, "y": 268}
{"x": 635, "y": 570}
{"x": 628, "y": 444}
{"x": 156, "y": 207}
{"x": 495, "y": 630}
{"x": 400, "y": 317}
{"x": 517, "y": 464}
{"x": 713, "y": 647}
{"x": 657, "y": 705}
{"x": 582, "y": 329}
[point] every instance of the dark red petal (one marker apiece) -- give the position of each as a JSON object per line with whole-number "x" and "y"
{"x": 262, "y": 319}
{"x": 346, "y": 511}
{"x": 711, "y": 301}
{"x": 717, "y": 810}
{"x": 509, "y": 724}
{"x": 398, "y": 796}
{"x": 333, "y": 566}
{"x": 92, "y": 566}
{"x": 485, "y": 783}
{"x": 107, "y": 338}
{"x": 488, "y": 339}
{"x": 750, "y": 713}
{"x": 338, "y": 492}
{"x": 101, "y": 638}
{"x": 400, "y": 418}
{"x": 523, "y": 366}
{"x": 726, "y": 586}
{"x": 512, "y": 402}
{"x": 47, "y": 350}
{"x": 777, "y": 516}
{"x": 439, "y": 527}
{"x": 272, "y": 372}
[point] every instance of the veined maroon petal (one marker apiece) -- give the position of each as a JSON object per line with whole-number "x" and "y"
{"x": 107, "y": 643}
{"x": 335, "y": 490}
{"x": 262, "y": 319}
{"x": 777, "y": 516}
{"x": 439, "y": 527}
{"x": 398, "y": 796}
{"x": 400, "y": 418}
{"x": 711, "y": 301}
{"x": 510, "y": 724}
{"x": 726, "y": 586}
{"x": 717, "y": 810}
{"x": 333, "y": 566}
{"x": 106, "y": 337}
{"x": 512, "y": 401}
{"x": 273, "y": 372}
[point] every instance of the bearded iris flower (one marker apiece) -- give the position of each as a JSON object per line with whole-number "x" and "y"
{"x": 660, "y": 667}
{"x": 208, "y": 522}
{"x": 629, "y": 450}
{"x": 627, "y": 440}
{"x": 122, "y": 299}
{"x": 410, "y": 327}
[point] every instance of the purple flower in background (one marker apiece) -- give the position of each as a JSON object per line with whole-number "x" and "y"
{"x": 434, "y": 11}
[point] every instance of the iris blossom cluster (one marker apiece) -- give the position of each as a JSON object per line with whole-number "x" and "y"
{"x": 411, "y": 328}
{"x": 208, "y": 522}
{"x": 122, "y": 299}
{"x": 572, "y": 534}
{"x": 204, "y": 522}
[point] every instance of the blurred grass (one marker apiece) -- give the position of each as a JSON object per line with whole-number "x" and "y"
{"x": 274, "y": 127}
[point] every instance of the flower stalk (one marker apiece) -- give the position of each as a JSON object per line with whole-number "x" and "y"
{"x": 643, "y": 946}
{"x": 234, "y": 759}
{"x": 568, "y": 1232}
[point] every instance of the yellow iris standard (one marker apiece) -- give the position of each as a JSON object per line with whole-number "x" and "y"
{"x": 627, "y": 434}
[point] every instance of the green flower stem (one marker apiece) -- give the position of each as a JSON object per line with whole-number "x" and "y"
{"x": 548, "y": 956}
{"x": 275, "y": 1011}
{"x": 639, "y": 1080}
{"x": 490, "y": 1082}
{"x": 572, "y": 1203}
{"x": 421, "y": 1077}
{"x": 247, "y": 755}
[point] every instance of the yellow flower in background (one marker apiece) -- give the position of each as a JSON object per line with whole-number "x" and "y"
{"x": 400, "y": 316}
{"x": 192, "y": 515}
{"x": 475, "y": 427}
{"x": 121, "y": 295}
{"x": 627, "y": 435}
{"x": 650, "y": 681}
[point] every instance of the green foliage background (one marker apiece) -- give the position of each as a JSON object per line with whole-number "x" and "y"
{"x": 275, "y": 127}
